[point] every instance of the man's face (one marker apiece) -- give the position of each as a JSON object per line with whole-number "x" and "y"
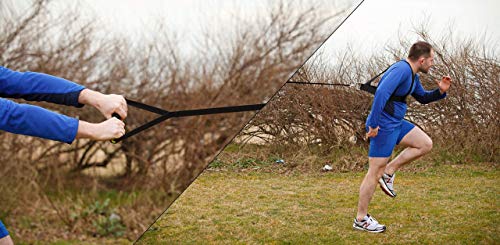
{"x": 426, "y": 63}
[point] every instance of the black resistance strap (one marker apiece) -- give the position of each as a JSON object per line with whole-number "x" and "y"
{"x": 164, "y": 114}
{"x": 325, "y": 84}
{"x": 368, "y": 87}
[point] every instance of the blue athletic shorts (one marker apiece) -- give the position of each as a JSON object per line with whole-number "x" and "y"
{"x": 383, "y": 144}
{"x": 3, "y": 230}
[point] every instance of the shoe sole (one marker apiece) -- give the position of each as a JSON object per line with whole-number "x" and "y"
{"x": 385, "y": 189}
{"x": 363, "y": 229}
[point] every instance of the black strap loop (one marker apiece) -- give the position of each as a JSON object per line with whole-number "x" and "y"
{"x": 183, "y": 113}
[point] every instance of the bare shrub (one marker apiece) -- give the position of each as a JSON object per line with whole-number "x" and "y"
{"x": 243, "y": 67}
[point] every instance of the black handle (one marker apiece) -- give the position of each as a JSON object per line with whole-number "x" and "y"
{"x": 113, "y": 141}
{"x": 116, "y": 115}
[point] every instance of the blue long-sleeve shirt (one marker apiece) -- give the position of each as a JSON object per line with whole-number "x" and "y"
{"x": 398, "y": 79}
{"x": 33, "y": 120}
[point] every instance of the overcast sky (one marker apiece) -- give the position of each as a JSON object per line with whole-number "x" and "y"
{"x": 185, "y": 17}
{"x": 380, "y": 22}
{"x": 375, "y": 24}
{"x": 188, "y": 19}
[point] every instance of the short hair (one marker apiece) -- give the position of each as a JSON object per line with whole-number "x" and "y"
{"x": 419, "y": 49}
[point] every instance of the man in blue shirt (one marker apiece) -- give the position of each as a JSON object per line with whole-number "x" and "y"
{"x": 36, "y": 121}
{"x": 387, "y": 128}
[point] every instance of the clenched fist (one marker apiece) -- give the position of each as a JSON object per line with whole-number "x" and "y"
{"x": 110, "y": 129}
{"x": 107, "y": 104}
{"x": 444, "y": 84}
{"x": 372, "y": 132}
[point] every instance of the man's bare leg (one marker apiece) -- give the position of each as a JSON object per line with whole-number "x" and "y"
{"x": 370, "y": 182}
{"x": 6, "y": 241}
{"x": 418, "y": 144}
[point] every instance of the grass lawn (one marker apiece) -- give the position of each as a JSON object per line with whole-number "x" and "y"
{"x": 447, "y": 204}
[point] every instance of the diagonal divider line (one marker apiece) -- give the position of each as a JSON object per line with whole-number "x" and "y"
{"x": 222, "y": 149}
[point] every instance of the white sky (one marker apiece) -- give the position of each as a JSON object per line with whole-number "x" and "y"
{"x": 380, "y": 22}
{"x": 183, "y": 17}
{"x": 375, "y": 24}
{"x": 187, "y": 20}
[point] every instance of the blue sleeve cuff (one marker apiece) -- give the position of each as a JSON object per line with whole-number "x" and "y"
{"x": 442, "y": 96}
{"x": 372, "y": 124}
{"x": 70, "y": 99}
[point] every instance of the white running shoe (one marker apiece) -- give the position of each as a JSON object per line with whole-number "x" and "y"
{"x": 387, "y": 184}
{"x": 368, "y": 224}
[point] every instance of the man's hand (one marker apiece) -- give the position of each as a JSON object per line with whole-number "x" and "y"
{"x": 372, "y": 132}
{"x": 110, "y": 129}
{"x": 444, "y": 84}
{"x": 107, "y": 104}
{"x": 110, "y": 103}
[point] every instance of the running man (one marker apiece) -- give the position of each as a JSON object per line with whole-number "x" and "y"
{"x": 35, "y": 121}
{"x": 387, "y": 128}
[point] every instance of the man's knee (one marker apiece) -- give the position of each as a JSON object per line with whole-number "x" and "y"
{"x": 381, "y": 171}
{"x": 377, "y": 166}
{"x": 427, "y": 146}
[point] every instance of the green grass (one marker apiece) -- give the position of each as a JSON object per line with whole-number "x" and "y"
{"x": 447, "y": 204}
{"x": 87, "y": 242}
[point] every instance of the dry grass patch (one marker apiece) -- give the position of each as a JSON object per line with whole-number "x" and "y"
{"x": 444, "y": 204}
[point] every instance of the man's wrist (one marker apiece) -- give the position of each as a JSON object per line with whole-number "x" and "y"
{"x": 85, "y": 130}
{"x": 90, "y": 97}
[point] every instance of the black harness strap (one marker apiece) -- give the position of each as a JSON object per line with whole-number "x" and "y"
{"x": 368, "y": 87}
{"x": 183, "y": 113}
{"x": 389, "y": 106}
{"x": 326, "y": 84}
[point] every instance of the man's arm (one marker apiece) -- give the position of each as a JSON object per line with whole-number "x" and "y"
{"x": 39, "y": 122}
{"x": 42, "y": 87}
{"x": 35, "y": 86}
{"x": 424, "y": 96}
